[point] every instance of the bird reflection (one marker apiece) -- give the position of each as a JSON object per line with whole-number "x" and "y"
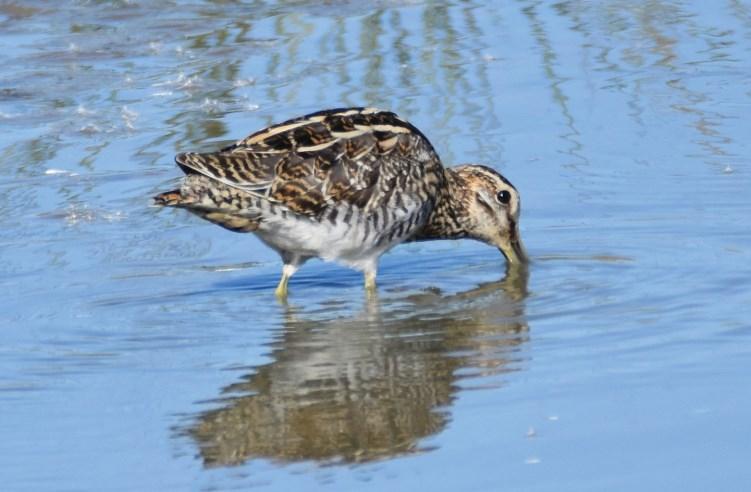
{"x": 369, "y": 387}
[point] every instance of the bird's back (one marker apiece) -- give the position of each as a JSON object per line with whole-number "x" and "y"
{"x": 360, "y": 176}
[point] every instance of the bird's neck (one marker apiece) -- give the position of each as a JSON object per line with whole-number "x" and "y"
{"x": 449, "y": 213}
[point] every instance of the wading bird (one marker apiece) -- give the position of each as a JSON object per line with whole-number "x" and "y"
{"x": 346, "y": 185}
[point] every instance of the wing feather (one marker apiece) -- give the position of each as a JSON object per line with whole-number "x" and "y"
{"x": 357, "y": 157}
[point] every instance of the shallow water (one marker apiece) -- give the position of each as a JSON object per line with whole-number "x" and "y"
{"x": 144, "y": 350}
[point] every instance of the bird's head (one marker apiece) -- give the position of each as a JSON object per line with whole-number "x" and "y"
{"x": 491, "y": 207}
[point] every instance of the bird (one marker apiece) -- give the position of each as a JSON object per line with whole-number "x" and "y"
{"x": 346, "y": 185}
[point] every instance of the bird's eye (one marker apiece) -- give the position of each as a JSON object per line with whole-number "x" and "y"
{"x": 504, "y": 197}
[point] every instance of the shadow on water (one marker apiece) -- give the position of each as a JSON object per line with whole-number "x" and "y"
{"x": 366, "y": 387}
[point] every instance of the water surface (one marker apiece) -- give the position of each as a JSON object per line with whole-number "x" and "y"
{"x": 144, "y": 349}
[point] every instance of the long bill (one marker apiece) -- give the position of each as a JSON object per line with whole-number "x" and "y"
{"x": 513, "y": 249}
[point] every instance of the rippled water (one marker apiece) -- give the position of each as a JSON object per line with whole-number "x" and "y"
{"x": 144, "y": 349}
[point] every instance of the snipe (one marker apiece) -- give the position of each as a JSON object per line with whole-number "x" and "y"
{"x": 346, "y": 185}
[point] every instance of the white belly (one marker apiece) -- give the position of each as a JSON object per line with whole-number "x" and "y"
{"x": 355, "y": 246}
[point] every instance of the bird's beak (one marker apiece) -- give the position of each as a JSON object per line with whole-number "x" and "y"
{"x": 513, "y": 248}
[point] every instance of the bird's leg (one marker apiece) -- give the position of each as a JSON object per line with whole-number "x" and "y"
{"x": 370, "y": 281}
{"x": 291, "y": 264}
{"x": 370, "y": 278}
{"x": 287, "y": 271}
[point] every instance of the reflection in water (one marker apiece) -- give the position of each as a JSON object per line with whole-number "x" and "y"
{"x": 368, "y": 387}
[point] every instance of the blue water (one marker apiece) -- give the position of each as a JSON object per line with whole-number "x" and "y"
{"x": 143, "y": 349}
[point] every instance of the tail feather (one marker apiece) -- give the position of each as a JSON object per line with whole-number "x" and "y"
{"x": 171, "y": 199}
{"x": 226, "y": 206}
{"x": 205, "y": 205}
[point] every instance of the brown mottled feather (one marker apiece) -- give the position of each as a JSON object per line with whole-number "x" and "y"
{"x": 352, "y": 156}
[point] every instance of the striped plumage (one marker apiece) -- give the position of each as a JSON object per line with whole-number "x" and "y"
{"x": 345, "y": 185}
